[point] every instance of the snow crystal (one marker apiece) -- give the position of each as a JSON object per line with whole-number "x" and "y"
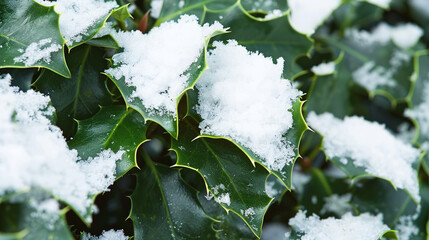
{"x": 106, "y": 235}
{"x": 306, "y": 15}
{"x": 348, "y": 227}
{"x": 31, "y": 148}
{"x": 324, "y": 68}
{"x": 380, "y": 3}
{"x": 243, "y": 97}
{"x": 371, "y": 146}
{"x": 372, "y": 77}
{"x": 156, "y": 63}
{"x": 406, "y": 35}
{"x": 77, "y": 16}
{"x": 337, "y": 204}
{"x": 36, "y": 52}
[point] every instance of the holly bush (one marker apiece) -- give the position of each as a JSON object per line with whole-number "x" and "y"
{"x": 214, "y": 119}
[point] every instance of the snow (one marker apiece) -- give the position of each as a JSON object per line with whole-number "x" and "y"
{"x": 371, "y": 146}
{"x": 273, "y": 14}
{"x": 348, "y": 227}
{"x": 244, "y": 97}
{"x": 337, "y": 204}
{"x": 420, "y": 6}
{"x": 306, "y": 15}
{"x": 324, "y": 68}
{"x": 155, "y": 64}
{"x": 77, "y": 16}
{"x": 106, "y": 235}
{"x": 406, "y": 228}
{"x": 155, "y": 8}
{"x": 372, "y": 77}
{"x": 380, "y": 3}
{"x": 406, "y": 35}
{"x": 31, "y": 148}
{"x": 220, "y": 195}
{"x": 37, "y": 51}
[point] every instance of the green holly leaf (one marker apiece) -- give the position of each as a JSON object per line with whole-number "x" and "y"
{"x": 37, "y": 41}
{"x": 165, "y": 207}
{"x": 265, "y": 7}
{"x": 80, "y": 96}
{"x": 105, "y": 41}
{"x": 23, "y": 220}
{"x": 229, "y": 225}
{"x": 168, "y": 121}
{"x": 231, "y": 179}
{"x": 172, "y": 9}
{"x": 293, "y": 135}
{"x": 114, "y": 128}
{"x": 121, "y": 14}
{"x": 380, "y": 68}
{"x": 378, "y": 196}
{"x": 275, "y": 38}
{"x": 330, "y": 93}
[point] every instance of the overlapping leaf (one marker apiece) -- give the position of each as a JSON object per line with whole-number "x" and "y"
{"x": 25, "y": 23}
{"x": 230, "y": 177}
{"x": 77, "y": 97}
{"x": 165, "y": 207}
{"x": 275, "y": 38}
{"x": 114, "y": 128}
{"x": 167, "y": 120}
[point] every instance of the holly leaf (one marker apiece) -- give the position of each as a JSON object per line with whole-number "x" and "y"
{"x": 172, "y": 9}
{"x": 114, "y": 128}
{"x": 398, "y": 208}
{"x": 265, "y": 7}
{"x": 80, "y": 96}
{"x": 23, "y": 220}
{"x": 167, "y": 120}
{"x": 330, "y": 93}
{"x": 45, "y": 46}
{"x": 165, "y": 207}
{"x": 230, "y": 178}
{"x": 121, "y": 14}
{"x": 367, "y": 64}
{"x": 293, "y": 135}
{"x": 275, "y": 38}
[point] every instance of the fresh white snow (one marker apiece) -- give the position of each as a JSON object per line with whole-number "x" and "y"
{"x": 337, "y": 204}
{"x": 155, "y": 64}
{"x": 244, "y": 97}
{"x": 77, "y": 16}
{"x": 404, "y": 35}
{"x": 324, "y": 68}
{"x": 348, "y": 227}
{"x": 371, "y": 146}
{"x": 37, "y": 52}
{"x": 306, "y": 15}
{"x": 34, "y": 154}
{"x": 106, "y": 235}
{"x": 155, "y": 8}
